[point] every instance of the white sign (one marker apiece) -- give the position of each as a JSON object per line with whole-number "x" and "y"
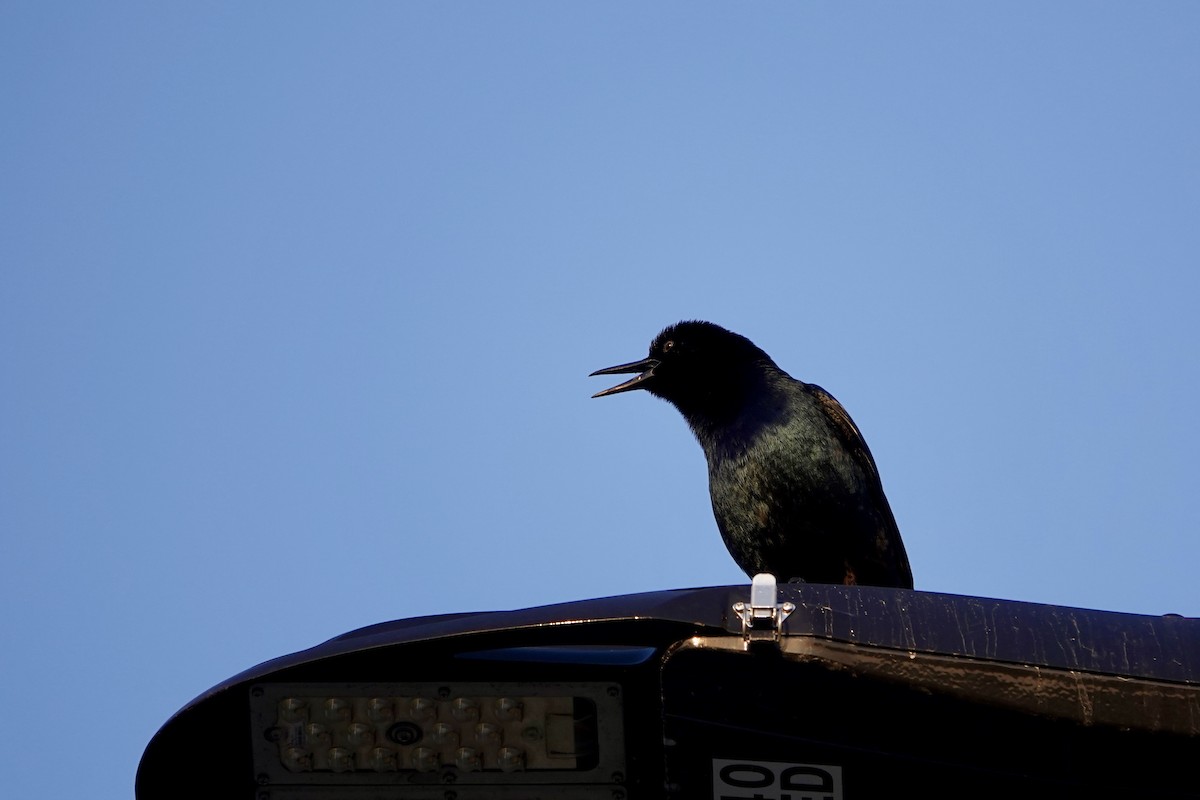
{"x": 735, "y": 779}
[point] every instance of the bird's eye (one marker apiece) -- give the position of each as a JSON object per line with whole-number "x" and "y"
{"x": 668, "y": 345}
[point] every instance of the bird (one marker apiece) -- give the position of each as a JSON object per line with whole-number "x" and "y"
{"x": 794, "y": 488}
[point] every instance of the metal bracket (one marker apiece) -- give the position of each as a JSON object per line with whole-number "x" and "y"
{"x": 762, "y": 618}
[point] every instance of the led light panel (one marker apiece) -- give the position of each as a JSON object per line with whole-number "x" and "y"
{"x": 414, "y": 733}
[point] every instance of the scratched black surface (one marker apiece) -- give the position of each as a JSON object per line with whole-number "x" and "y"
{"x": 1163, "y": 648}
{"x": 1157, "y": 647}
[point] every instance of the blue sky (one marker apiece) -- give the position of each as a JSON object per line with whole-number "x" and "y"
{"x": 298, "y": 301}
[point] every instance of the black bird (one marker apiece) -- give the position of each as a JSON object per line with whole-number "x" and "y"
{"x": 794, "y": 488}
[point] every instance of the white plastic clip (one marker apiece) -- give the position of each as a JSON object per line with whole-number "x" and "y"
{"x": 762, "y": 618}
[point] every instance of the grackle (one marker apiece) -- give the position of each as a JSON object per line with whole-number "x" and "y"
{"x": 794, "y": 488}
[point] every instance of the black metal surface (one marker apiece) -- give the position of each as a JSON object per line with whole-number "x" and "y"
{"x": 203, "y": 750}
{"x": 890, "y": 740}
{"x": 1159, "y": 647}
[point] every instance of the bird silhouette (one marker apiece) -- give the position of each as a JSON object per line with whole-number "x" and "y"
{"x": 794, "y": 489}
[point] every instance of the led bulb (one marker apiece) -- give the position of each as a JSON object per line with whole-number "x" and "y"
{"x": 359, "y": 734}
{"x": 297, "y": 759}
{"x": 511, "y": 759}
{"x": 467, "y": 759}
{"x": 383, "y": 760}
{"x": 443, "y": 735}
{"x": 379, "y": 709}
{"x": 464, "y": 709}
{"x": 341, "y": 759}
{"x": 425, "y": 759}
{"x": 422, "y": 708}
{"x": 293, "y": 709}
{"x": 318, "y": 734}
{"x": 509, "y": 709}
{"x": 486, "y": 733}
{"x": 337, "y": 710}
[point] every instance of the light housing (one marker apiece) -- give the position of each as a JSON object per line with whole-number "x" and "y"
{"x": 851, "y": 692}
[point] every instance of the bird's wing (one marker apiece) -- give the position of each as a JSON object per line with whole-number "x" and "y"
{"x": 883, "y": 554}
{"x": 847, "y": 431}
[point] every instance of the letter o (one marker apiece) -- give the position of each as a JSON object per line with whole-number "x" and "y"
{"x": 763, "y": 776}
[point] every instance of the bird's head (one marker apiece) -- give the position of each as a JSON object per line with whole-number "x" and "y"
{"x": 700, "y": 367}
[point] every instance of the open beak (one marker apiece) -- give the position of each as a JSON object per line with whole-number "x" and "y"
{"x": 645, "y": 367}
